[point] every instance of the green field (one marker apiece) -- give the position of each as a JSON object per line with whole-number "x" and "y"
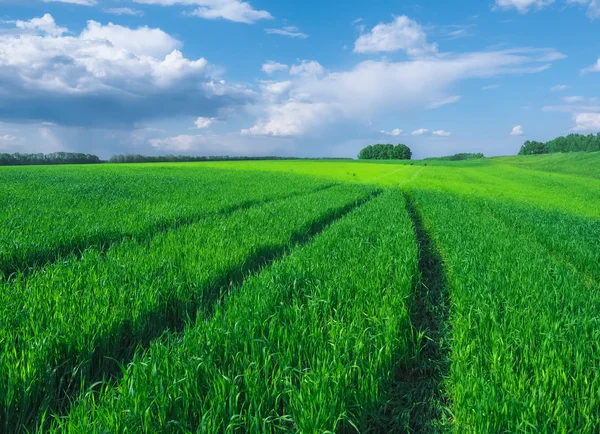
{"x": 302, "y": 296}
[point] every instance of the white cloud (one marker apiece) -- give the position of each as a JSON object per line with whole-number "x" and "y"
{"x": 45, "y": 24}
{"x": 8, "y": 143}
{"x": 490, "y": 87}
{"x": 517, "y": 131}
{"x": 291, "y": 118}
{"x": 307, "y": 68}
{"x": 587, "y": 122}
{"x": 559, "y": 88}
{"x": 274, "y": 89}
{"x": 313, "y": 102}
{"x": 108, "y": 74}
{"x": 271, "y": 67}
{"x": 124, "y": 11}
{"x": 573, "y": 99}
{"x": 226, "y": 144}
{"x": 401, "y": 34}
{"x": 594, "y": 68}
{"x": 231, "y": 10}
{"x": 443, "y": 102}
{"x": 395, "y": 132}
{"x": 141, "y": 41}
{"x": 291, "y": 31}
{"x": 523, "y": 6}
{"x": 75, "y": 2}
{"x": 202, "y": 123}
{"x": 441, "y": 133}
{"x": 420, "y": 132}
{"x": 593, "y": 11}
{"x": 181, "y": 143}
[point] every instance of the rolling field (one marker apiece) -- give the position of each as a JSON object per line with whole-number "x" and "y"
{"x": 302, "y": 296}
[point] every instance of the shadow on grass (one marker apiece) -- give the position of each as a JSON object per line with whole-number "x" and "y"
{"x": 75, "y": 372}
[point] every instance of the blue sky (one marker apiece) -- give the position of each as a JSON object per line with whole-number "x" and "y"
{"x": 310, "y": 78}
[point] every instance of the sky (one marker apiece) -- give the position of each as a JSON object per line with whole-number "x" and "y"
{"x": 310, "y": 78}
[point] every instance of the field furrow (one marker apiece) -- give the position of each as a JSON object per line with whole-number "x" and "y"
{"x": 417, "y": 401}
{"x": 76, "y": 321}
{"x": 311, "y": 344}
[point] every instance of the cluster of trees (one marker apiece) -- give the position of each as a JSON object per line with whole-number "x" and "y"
{"x": 460, "y": 157}
{"x": 130, "y": 158}
{"x": 570, "y": 143}
{"x": 47, "y": 159}
{"x": 385, "y": 152}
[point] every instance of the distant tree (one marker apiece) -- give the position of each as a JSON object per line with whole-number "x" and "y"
{"x": 47, "y": 159}
{"x": 130, "y": 158}
{"x": 531, "y": 147}
{"x": 570, "y": 143}
{"x": 460, "y": 157}
{"x": 385, "y": 152}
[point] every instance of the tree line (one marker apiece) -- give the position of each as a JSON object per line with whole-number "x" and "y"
{"x": 47, "y": 159}
{"x": 385, "y": 152}
{"x": 570, "y": 143}
{"x": 131, "y": 158}
{"x": 459, "y": 157}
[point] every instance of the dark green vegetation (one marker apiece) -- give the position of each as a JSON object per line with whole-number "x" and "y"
{"x": 385, "y": 152}
{"x": 570, "y": 143}
{"x": 47, "y": 159}
{"x": 459, "y": 157}
{"x": 136, "y": 158}
{"x": 251, "y": 297}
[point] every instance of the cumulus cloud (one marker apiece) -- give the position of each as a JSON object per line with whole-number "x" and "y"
{"x": 559, "y": 88}
{"x": 291, "y": 31}
{"x": 291, "y": 118}
{"x": 517, "y": 131}
{"x": 107, "y": 75}
{"x": 271, "y": 67}
{"x": 231, "y": 10}
{"x": 594, "y": 68}
{"x": 420, "y": 132}
{"x": 441, "y": 133}
{"x": 395, "y": 132}
{"x": 323, "y": 99}
{"x": 587, "y": 122}
{"x": 401, "y": 34}
{"x": 307, "y": 68}
{"x": 443, "y": 102}
{"x": 142, "y": 41}
{"x": 124, "y": 11}
{"x": 45, "y": 24}
{"x": 202, "y": 123}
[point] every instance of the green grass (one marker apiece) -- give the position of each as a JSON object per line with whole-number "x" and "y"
{"x": 49, "y": 212}
{"x": 308, "y": 344}
{"x": 302, "y": 296}
{"x": 73, "y": 321}
{"x": 525, "y": 329}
